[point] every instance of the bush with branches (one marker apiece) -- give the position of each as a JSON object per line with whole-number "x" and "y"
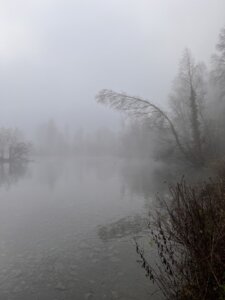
{"x": 190, "y": 242}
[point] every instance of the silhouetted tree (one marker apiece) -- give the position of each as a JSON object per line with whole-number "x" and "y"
{"x": 187, "y": 95}
{"x": 12, "y": 145}
{"x": 217, "y": 96}
{"x": 139, "y": 107}
{"x": 218, "y": 71}
{"x": 187, "y": 103}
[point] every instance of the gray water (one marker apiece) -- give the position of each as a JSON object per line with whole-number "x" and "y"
{"x": 67, "y": 228}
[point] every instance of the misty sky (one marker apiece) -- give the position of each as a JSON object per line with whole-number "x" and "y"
{"x": 56, "y": 54}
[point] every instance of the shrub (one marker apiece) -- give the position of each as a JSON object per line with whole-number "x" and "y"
{"x": 190, "y": 241}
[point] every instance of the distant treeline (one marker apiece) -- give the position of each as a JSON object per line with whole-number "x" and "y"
{"x": 131, "y": 140}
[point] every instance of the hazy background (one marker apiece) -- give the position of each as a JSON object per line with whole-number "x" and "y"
{"x": 55, "y": 55}
{"x": 73, "y": 199}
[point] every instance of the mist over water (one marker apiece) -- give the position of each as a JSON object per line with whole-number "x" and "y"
{"x": 79, "y": 181}
{"x": 66, "y": 231}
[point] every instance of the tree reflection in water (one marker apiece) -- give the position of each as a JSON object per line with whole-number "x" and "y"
{"x": 124, "y": 227}
{"x": 11, "y": 173}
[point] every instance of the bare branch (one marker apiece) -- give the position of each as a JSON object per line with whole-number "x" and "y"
{"x": 138, "y": 107}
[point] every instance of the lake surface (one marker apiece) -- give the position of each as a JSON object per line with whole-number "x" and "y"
{"x": 67, "y": 228}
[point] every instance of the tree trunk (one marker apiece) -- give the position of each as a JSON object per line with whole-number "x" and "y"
{"x": 195, "y": 127}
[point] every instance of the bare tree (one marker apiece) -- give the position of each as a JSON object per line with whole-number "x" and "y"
{"x": 187, "y": 103}
{"x": 12, "y": 145}
{"x": 218, "y": 71}
{"x": 217, "y": 96}
{"x": 141, "y": 108}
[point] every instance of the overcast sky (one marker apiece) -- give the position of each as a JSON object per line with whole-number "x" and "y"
{"x": 56, "y": 54}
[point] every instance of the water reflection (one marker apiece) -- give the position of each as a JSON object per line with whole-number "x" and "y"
{"x": 152, "y": 180}
{"x": 50, "y": 172}
{"x": 125, "y": 227}
{"x": 66, "y": 231}
{"x": 11, "y": 173}
{"x": 147, "y": 179}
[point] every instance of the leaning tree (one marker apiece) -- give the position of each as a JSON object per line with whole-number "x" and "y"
{"x": 187, "y": 95}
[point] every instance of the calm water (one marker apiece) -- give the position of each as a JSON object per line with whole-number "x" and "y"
{"x": 66, "y": 230}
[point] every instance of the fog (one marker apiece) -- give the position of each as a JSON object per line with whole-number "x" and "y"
{"x": 56, "y": 55}
{"x": 78, "y": 178}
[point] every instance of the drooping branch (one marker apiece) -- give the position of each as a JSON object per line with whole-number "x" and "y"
{"x": 138, "y": 107}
